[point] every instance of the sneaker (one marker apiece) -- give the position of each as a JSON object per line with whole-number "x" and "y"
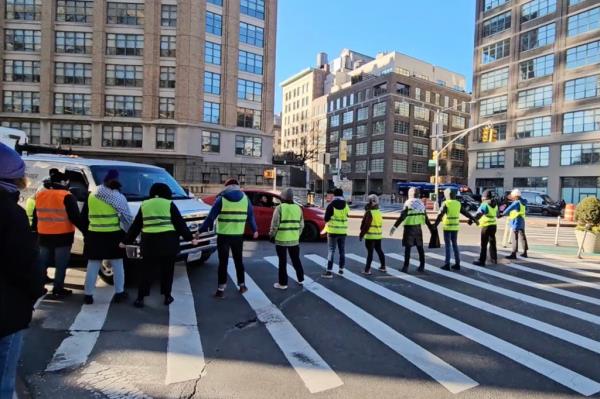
{"x": 512, "y": 256}
{"x": 478, "y": 263}
{"x": 382, "y": 269}
{"x": 279, "y": 286}
{"x": 524, "y": 255}
{"x": 446, "y": 267}
{"x": 243, "y": 289}
{"x": 120, "y": 297}
{"x": 404, "y": 269}
{"x": 327, "y": 274}
{"x": 139, "y": 303}
{"x": 88, "y": 299}
{"x": 366, "y": 272}
{"x": 168, "y": 300}
{"x": 61, "y": 293}
{"x": 220, "y": 294}
{"x": 341, "y": 271}
{"x": 301, "y": 282}
{"x": 455, "y": 267}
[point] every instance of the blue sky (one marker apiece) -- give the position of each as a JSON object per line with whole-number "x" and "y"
{"x": 436, "y": 31}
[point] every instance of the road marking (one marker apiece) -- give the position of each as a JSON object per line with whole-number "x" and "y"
{"x": 541, "y": 365}
{"x": 447, "y": 375}
{"x": 316, "y": 374}
{"x": 569, "y": 266}
{"x": 185, "y": 357}
{"x": 546, "y": 328}
{"x": 84, "y": 332}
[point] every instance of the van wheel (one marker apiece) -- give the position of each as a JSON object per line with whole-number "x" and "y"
{"x": 200, "y": 262}
{"x": 106, "y": 272}
{"x": 310, "y": 232}
{"x": 545, "y": 212}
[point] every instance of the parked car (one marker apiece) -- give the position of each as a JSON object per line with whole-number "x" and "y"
{"x": 538, "y": 203}
{"x": 263, "y": 204}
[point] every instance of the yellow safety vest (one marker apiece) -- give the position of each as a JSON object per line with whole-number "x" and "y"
{"x": 489, "y": 219}
{"x": 375, "y": 230}
{"x": 451, "y": 219}
{"x": 29, "y": 208}
{"x": 520, "y": 213}
{"x": 103, "y": 217}
{"x": 415, "y": 218}
{"x": 156, "y": 214}
{"x": 338, "y": 224}
{"x": 289, "y": 224}
{"x": 232, "y": 218}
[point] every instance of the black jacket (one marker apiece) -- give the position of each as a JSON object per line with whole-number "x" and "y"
{"x": 338, "y": 204}
{"x": 21, "y": 282}
{"x": 61, "y": 240}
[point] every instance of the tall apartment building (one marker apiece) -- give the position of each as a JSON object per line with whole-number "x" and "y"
{"x": 186, "y": 84}
{"x": 537, "y": 77}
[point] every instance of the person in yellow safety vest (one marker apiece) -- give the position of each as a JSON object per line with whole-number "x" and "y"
{"x": 449, "y": 216}
{"x": 516, "y": 215}
{"x": 30, "y": 203}
{"x": 336, "y": 219}
{"x": 231, "y": 211}
{"x": 107, "y": 216}
{"x": 486, "y": 217}
{"x": 286, "y": 227}
{"x": 161, "y": 225}
{"x": 371, "y": 229}
{"x": 413, "y": 215}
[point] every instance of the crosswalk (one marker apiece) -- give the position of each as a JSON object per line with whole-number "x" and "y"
{"x": 480, "y": 306}
{"x": 537, "y": 235}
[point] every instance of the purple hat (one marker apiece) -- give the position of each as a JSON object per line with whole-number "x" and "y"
{"x": 112, "y": 174}
{"x": 11, "y": 165}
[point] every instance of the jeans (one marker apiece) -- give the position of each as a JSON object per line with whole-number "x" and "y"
{"x": 488, "y": 235}
{"x": 295, "y": 257}
{"x": 93, "y": 267}
{"x": 450, "y": 240}
{"x": 519, "y": 235}
{"x": 374, "y": 245}
{"x": 59, "y": 258}
{"x": 166, "y": 266}
{"x": 10, "y": 351}
{"x": 334, "y": 240}
{"x": 236, "y": 244}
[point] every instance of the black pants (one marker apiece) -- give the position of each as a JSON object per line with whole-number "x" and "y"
{"x": 165, "y": 265}
{"x": 374, "y": 245}
{"x": 236, "y": 245}
{"x": 519, "y": 235}
{"x": 488, "y": 236}
{"x": 295, "y": 257}
{"x": 421, "y": 252}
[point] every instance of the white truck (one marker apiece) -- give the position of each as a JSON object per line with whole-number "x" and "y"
{"x": 12, "y": 137}
{"x": 86, "y": 174}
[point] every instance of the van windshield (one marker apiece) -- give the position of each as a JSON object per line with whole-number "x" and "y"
{"x": 137, "y": 180}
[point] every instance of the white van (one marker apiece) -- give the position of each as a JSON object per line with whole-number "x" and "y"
{"x": 86, "y": 174}
{"x": 12, "y": 137}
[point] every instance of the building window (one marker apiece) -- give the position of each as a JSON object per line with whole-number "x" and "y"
{"x": 216, "y": 2}
{"x": 421, "y": 113}
{"x": 376, "y": 165}
{"x": 581, "y": 88}
{"x": 574, "y": 189}
{"x": 252, "y": 35}
{"x": 253, "y": 8}
{"x": 378, "y": 128}
{"x": 361, "y": 131}
{"x": 490, "y": 159}
{"x": 377, "y": 147}
{"x": 583, "y": 22}
{"x": 249, "y": 90}
{"x": 495, "y": 51}
{"x": 347, "y": 134}
{"x": 212, "y": 83}
{"x": 250, "y": 62}
{"x": 361, "y": 149}
{"x": 534, "y": 127}
{"x": 537, "y": 67}
{"x": 586, "y": 54}
{"x": 168, "y": 46}
{"x": 125, "y": 13}
{"x": 491, "y": 4}
{"x": 458, "y": 122}
{"x": 379, "y": 109}
{"x": 122, "y": 136}
{"x": 420, "y": 131}
{"x": 534, "y": 98}
{"x": 418, "y": 167}
{"x": 125, "y": 75}
{"x": 347, "y": 117}
{"x": 72, "y": 73}
{"x": 334, "y": 121}
{"x": 457, "y": 154}
{"x": 212, "y": 112}
{"x": 491, "y": 106}
{"x": 21, "y": 71}
{"x": 32, "y": 129}
{"x": 399, "y": 166}
{"x": 125, "y": 44}
{"x": 22, "y": 40}
{"x": 74, "y": 42}
{"x": 531, "y": 183}
{"x": 71, "y": 134}
{"x": 166, "y": 108}
{"x": 496, "y": 24}
{"x": 248, "y": 146}
{"x": 580, "y": 154}
{"x": 360, "y": 166}
{"x": 126, "y": 106}
{"x": 362, "y": 114}
{"x": 532, "y": 157}
{"x": 581, "y": 121}
{"x": 165, "y": 138}
{"x": 334, "y": 137}
{"x": 211, "y": 142}
{"x": 214, "y": 23}
{"x": 21, "y": 101}
{"x": 250, "y": 118}
{"x": 72, "y": 103}
{"x": 494, "y": 79}
{"x": 167, "y": 77}
{"x": 400, "y": 147}
{"x": 420, "y": 150}
{"x": 212, "y": 53}
{"x": 74, "y": 10}
{"x": 500, "y": 129}
{"x": 536, "y": 9}
{"x": 26, "y": 10}
{"x": 539, "y": 37}
{"x": 168, "y": 15}
{"x": 402, "y": 108}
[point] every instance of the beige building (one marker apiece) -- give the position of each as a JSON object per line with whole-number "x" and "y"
{"x": 186, "y": 84}
{"x": 537, "y": 77}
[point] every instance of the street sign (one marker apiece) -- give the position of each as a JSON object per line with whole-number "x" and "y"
{"x": 431, "y": 163}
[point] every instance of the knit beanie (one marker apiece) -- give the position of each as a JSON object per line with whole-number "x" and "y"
{"x": 11, "y": 165}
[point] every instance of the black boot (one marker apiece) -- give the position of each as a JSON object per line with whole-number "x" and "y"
{"x": 446, "y": 266}
{"x": 456, "y": 266}
{"x": 421, "y": 269}
{"x": 404, "y": 269}
{"x": 524, "y": 254}
{"x": 168, "y": 300}
{"x": 88, "y": 299}
{"x": 478, "y": 263}
{"x": 513, "y": 255}
{"x": 139, "y": 303}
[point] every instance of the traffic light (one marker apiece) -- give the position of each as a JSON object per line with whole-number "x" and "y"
{"x": 269, "y": 173}
{"x": 485, "y": 135}
{"x": 435, "y": 155}
{"x": 493, "y": 137}
{"x": 444, "y": 154}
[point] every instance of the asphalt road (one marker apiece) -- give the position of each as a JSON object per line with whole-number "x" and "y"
{"x": 528, "y": 329}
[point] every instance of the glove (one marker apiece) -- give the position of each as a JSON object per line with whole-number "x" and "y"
{"x": 392, "y": 230}
{"x": 470, "y": 222}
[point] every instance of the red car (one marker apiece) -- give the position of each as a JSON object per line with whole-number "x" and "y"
{"x": 264, "y": 202}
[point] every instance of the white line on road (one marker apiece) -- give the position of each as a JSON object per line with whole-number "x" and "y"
{"x": 541, "y": 365}
{"x": 567, "y": 266}
{"x": 447, "y": 375}
{"x": 316, "y": 374}
{"x": 185, "y": 357}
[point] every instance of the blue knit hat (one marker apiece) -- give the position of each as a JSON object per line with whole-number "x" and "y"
{"x": 11, "y": 165}
{"x": 112, "y": 174}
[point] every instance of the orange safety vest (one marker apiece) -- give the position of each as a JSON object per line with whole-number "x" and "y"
{"x": 51, "y": 214}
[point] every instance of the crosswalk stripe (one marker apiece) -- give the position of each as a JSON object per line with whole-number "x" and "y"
{"x": 575, "y": 268}
{"x": 447, "y": 375}
{"x": 312, "y": 369}
{"x": 546, "y": 328}
{"x": 541, "y": 365}
{"x": 185, "y": 357}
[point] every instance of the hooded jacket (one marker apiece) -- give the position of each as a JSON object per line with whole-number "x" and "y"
{"x": 231, "y": 193}
{"x": 338, "y": 203}
{"x": 365, "y": 224}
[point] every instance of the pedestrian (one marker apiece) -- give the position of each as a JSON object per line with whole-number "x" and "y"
{"x": 516, "y": 216}
{"x": 231, "y": 211}
{"x": 105, "y": 217}
{"x": 486, "y": 217}
{"x": 449, "y": 216}
{"x": 336, "y": 226}
{"x": 371, "y": 231}
{"x": 21, "y": 281}
{"x": 286, "y": 227}
{"x": 161, "y": 225}
{"x": 55, "y": 218}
